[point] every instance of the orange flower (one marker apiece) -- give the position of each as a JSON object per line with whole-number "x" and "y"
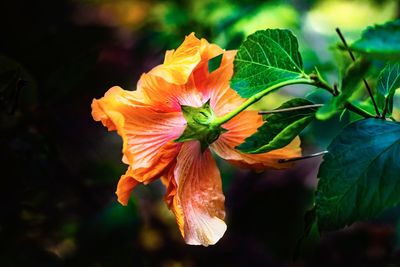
{"x": 151, "y": 119}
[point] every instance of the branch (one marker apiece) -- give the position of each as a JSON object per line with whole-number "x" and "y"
{"x": 354, "y": 59}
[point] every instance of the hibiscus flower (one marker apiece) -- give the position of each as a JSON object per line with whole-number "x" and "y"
{"x": 168, "y": 130}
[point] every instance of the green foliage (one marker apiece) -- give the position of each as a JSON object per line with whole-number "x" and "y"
{"x": 214, "y": 63}
{"x": 381, "y": 41}
{"x": 280, "y": 128}
{"x": 359, "y": 177}
{"x": 352, "y": 78}
{"x": 265, "y": 59}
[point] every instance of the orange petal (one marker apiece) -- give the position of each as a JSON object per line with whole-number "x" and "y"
{"x": 179, "y": 64}
{"x": 208, "y": 51}
{"x": 241, "y": 127}
{"x": 125, "y": 186}
{"x": 167, "y": 97}
{"x": 201, "y": 73}
{"x": 115, "y": 96}
{"x": 197, "y": 86}
{"x": 199, "y": 202}
{"x": 147, "y": 135}
{"x": 156, "y": 161}
{"x": 223, "y": 98}
{"x": 216, "y": 85}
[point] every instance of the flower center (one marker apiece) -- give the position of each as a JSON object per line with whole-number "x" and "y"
{"x": 200, "y": 125}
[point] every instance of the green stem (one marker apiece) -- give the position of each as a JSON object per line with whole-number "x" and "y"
{"x": 388, "y": 99}
{"x": 257, "y": 97}
{"x": 313, "y": 79}
{"x": 320, "y": 82}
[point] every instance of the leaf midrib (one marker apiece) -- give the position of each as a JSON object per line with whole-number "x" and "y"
{"x": 268, "y": 66}
{"x": 281, "y": 133}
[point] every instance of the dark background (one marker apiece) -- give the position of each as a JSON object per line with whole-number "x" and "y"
{"x": 59, "y": 168}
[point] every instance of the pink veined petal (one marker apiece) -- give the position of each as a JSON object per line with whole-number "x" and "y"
{"x": 167, "y": 97}
{"x": 198, "y": 203}
{"x": 148, "y": 135}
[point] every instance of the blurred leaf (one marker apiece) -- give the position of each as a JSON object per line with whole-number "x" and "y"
{"x": 268, "y": 15}
{"x": 280, "y": 128}
{"x": 381, "y": 41}
{"x": 350, "y": 16}
{"x": 351, "y": 80}
{"x": 214, "y": 63}
{"x": 13, "y": 78}
{"x": 115, "y": 216}
{"x": 264, "y": 59}
{"x": 359, "y": 177}
{"x": 310, "y": 233}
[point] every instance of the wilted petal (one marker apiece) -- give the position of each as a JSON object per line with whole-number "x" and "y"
{"x": 198, "y": 202}
{"x": 241, "y": 127}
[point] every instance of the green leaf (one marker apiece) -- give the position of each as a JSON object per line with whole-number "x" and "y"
{"x": 389, "y": 79}
{"x": 264, "y": 59}
{"x": 360, "y": 176}
{"x": 380, "y": 41}
{"x": 352, "y": 78}
{"x": 280, "y": 128}
{"x": 214, "y": 63}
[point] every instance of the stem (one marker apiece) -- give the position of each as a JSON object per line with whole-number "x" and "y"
{"x": 257, "y": 97}
{"x": 385, "y": 108}
{"x": 289, "y": 109}
{"x": 341, "y": 36}
{"x": 354, "y": 59}
{"x": 303, "y": 157}
{"x": 319, "y": 81}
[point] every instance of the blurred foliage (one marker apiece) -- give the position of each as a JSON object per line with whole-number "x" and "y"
{"x": 60, "y": 169}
